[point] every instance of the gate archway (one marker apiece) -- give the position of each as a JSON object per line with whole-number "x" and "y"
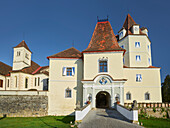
{"x": 103, "y": 99}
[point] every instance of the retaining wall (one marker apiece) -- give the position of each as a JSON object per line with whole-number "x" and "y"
{"x": 23, "y": 105}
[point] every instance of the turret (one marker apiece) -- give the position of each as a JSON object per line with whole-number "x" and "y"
{"x": 22, "y": 56}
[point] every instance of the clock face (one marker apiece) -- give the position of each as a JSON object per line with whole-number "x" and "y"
{"x": 136, "y": 28}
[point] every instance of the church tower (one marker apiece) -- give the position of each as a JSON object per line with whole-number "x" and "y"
{"x": 137, "y": 44}
{"x": 21, "y": 56}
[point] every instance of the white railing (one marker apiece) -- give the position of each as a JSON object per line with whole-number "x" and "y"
{"x": 23, "y": 92}
{"x": 81, "y": 113}
{"x": 132, "y": 115}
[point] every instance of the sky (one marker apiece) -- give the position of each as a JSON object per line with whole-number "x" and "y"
{"x": 51, "y": 26}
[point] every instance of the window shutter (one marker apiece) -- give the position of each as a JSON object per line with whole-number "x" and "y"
{"x": 140, "y": 77}
{"x": 73, "y": 71}
{"x": 64, "y": 71}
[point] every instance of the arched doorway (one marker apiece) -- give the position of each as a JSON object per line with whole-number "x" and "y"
{"x": 103, "y": 100}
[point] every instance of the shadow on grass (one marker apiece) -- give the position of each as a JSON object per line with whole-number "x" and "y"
{"x": 66, "y": 119}
{"x": 46, "y": 123}
{"x": 2, "y": 118}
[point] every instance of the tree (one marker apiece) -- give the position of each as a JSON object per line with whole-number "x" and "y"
{"x": 166, "y": 89}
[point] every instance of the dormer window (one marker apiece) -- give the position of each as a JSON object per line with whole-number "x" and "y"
{"x": 135, "y": 29}
{"x": 121, "y": 34}
{"x": 122, "y": 46}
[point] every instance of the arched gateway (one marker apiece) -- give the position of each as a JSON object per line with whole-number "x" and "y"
{"x": 103, "y": 99}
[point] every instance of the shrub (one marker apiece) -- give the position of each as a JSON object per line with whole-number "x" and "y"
{"x": 154, "y": 109}
{"x": 162, "y": 110}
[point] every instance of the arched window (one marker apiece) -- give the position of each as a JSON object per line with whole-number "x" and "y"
{"x": 35, "y": 82}
{"x": 128, "y": 96}
{"x": 1, "y": 83}
{"x": 8, "y": 83}
{"x": 16, "y": 81}
{"x": 26, "y": 82}
{"x": 147, "y": 96}
{"x": 68, "y": 93}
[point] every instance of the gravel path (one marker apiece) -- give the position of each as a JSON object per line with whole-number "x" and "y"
{"x": 105, "y": 118}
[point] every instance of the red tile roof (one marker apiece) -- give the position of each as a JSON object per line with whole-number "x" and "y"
{"x": 141, "y": 67}
{"x": 129, "y": 22}
{"x": 103, "y": 39}
{"x": 4, "y": 69}
{"x": 68, "y": 53}
{"x": 41, "y": 70}
{"x": 22, "y": 44}
{"x": 34, "y": 66}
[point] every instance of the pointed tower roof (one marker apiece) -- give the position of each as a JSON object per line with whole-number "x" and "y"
{"x": 23, "y": 44}
{"x": 129, "y": 22}
{"x": 103, "y": 38}
{"x": 68, "y": 53}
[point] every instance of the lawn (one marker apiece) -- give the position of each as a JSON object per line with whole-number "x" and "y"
{"x": 155, "y": 123}
{"x": 36, "y": 122}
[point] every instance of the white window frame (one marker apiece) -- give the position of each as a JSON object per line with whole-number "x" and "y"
{"x": 99, "y": 66}
{"x": 64, "y": 73}
{"x": 137, "y": 44}
{"x": 138, "y": 56}
{"x": 138, "y": 77}
{"x": 70, "y": 92}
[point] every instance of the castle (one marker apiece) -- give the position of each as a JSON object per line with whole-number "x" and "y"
{"x": 112, "y": 69}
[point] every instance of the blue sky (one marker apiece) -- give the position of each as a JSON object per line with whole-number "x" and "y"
{"x": 50, "y": 26}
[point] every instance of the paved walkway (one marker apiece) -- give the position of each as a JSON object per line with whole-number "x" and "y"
{"x": 105, "y": 118}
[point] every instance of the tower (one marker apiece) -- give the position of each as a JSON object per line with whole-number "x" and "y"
{"x": 21, "y": 56}
{"x": 137, "y": 44}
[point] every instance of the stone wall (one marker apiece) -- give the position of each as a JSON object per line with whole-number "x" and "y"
{"x": 23, "y": 105}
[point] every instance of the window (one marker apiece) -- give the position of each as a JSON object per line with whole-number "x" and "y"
{"x": 68, "y": 71}
{"x": 121, "y": 34}
{"x": 147, "y": 96}
{"x": 18, "y": 53}
{"x": 138, "y": 58}
{"x": 123, "y": 60}
{"x": 38, "y": 81}
{"x": 128, "y": 96}
{"x": 138, "y": 77}
{"x": 8, "y": 83}
{"x": 122, "y": 46}
{"x": 148, "y": 48}
{"x": 103, "y": 66}
{"x": 35, "y": 82}
{"x": 26, "y": 56}
{"x": 149, "y": 61}
{"x": 26, "y": 82}
{"x": 68, "y": 93}
{"x": 1, "y": 83}
{"x": 15, "y": 81}
{"x": 137, "y": 44}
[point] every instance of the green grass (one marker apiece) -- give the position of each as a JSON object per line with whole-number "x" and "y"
{"x": 155, "y": 122}
{"x": 36, "y": 122}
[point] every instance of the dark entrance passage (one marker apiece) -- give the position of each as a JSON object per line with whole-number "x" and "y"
{"x": 103, "y": 100}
